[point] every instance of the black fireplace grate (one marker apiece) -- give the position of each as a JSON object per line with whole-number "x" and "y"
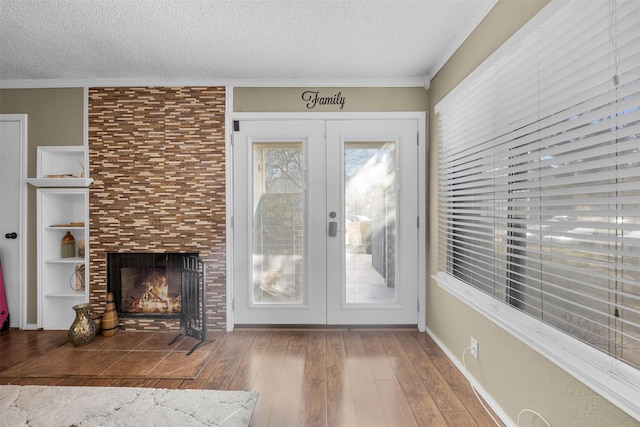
{"x": 192, "y": 316}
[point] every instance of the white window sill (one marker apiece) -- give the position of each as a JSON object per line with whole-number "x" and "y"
{"x": 614, "y": 380}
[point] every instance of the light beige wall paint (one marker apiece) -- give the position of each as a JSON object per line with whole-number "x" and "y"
{"x": 357, "y": 99}
{"x": 55, "y": 116}
{"x": 512, "y": 373}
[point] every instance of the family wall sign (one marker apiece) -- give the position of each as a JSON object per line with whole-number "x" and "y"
{"x": 313, "y": 98}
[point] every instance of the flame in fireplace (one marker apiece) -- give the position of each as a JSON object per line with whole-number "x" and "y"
{"x": 156, "y": 298}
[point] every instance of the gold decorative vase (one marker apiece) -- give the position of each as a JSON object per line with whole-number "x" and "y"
{"x": 82, "y": 330}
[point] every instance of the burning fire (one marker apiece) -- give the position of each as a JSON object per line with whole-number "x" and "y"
{"x": 155, "y": 298}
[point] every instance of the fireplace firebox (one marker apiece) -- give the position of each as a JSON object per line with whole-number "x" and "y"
{"x": 146, "y": 284}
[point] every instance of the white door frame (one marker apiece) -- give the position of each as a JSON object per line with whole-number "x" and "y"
{"x": 421, "y": 118}
{"x": 22, "y": 227}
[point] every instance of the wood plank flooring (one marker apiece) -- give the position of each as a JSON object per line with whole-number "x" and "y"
{"x": 309, "y": 377}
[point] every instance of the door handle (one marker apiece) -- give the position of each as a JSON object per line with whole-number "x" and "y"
{"x": 13, "y": 235}
{"x": 333, "y": 229}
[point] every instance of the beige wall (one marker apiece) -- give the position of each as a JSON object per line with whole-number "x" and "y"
{"x": 513, "y": 374}
{"x": 54, "y": 117}
{"x": 356, "y": 99}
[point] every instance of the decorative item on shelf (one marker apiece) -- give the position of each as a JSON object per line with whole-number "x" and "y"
{"x": 76, "y": 280}
{"x": 62, "y": 175}
{"x": 81, "y": 248}
{"x": 70, "y": 224}
{"x": 82, "y": 166}
{"x": 110, "y": 318}
{"x": 68, "y": 246}
{"x": 82, "y": 330}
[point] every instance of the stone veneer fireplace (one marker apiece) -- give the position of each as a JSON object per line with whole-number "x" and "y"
{"x": 158, "y": 162}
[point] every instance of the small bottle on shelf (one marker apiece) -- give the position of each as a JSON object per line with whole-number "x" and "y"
{"x": 68, "y": 246}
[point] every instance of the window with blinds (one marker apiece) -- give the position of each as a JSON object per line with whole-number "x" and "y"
{"x": 539, "y": 192}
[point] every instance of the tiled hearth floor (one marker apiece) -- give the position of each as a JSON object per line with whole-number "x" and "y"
{"x": 326, "y": 378}
{"x": 126, "y": 355}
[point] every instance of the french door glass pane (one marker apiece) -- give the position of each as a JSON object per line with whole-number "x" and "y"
{"x": 278, "y": 230}
{"x": 370, "y": 222}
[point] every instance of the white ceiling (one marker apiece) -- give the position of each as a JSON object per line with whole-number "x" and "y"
{"x": 234, "y": 41}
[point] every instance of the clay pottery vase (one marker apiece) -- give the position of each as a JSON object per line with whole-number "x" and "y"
{"x": 110, "y": 318}
{"x": 68, "y": 246}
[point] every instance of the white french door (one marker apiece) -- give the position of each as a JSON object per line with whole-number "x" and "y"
{"x": 325, "y": 222}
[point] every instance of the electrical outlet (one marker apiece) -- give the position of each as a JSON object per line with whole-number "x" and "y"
{"x": 474, "y": 347}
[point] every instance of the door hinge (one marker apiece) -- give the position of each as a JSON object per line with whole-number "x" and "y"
{"x": 418, "y": 305}
{"x": 418, "y": 139}
{"x": 232, "y": 223}
{"x": 418, "y": 222}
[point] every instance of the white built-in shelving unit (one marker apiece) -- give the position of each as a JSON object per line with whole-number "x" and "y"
{"x": 62, "y": 206}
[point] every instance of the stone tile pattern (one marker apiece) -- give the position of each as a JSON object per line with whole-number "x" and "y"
{"x": 157, "y": 157}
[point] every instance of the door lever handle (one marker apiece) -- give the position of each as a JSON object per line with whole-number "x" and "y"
{"x": 333, "y": 229}
{"x": 13, "y": 235}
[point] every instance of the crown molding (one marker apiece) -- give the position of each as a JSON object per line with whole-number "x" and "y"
{"x": 461, "y": 38}
{"x": 418, "y": 81}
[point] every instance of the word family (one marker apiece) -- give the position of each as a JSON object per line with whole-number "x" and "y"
{"x": 313, "y": 98}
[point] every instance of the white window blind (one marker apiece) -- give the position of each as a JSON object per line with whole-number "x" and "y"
{"x": 539, "y": 195}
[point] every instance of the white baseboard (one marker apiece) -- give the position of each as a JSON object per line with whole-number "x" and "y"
{"x": 475, "y": 384}
{"x": 30, "y": 327}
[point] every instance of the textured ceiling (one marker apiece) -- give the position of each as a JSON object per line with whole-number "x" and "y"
{"x": 154, "y": 41}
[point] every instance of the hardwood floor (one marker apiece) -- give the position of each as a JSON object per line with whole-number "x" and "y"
{"x": 304, "y": 377}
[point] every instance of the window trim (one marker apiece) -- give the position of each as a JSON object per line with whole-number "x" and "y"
{"x": 614, "y": 380}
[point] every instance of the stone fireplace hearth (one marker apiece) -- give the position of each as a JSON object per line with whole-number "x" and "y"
{"x": 157, "y": 156}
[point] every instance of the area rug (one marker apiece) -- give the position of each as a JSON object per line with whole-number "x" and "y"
{"x": 123, "y": 406}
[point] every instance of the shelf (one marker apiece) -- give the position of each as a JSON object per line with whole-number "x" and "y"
{"x": 51, "y": 227}
{"x": 62, "y": 162}
{"x": 60, "y": 182}
{"x": 74, "y": 260}
{"x": 66, "y": 294}
{"x": 63, "y": 207}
